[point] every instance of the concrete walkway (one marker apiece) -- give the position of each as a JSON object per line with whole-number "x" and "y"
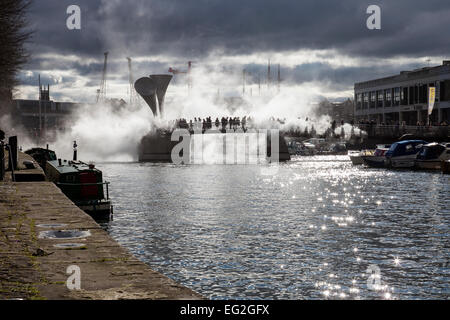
{"x": 32, "y": 267}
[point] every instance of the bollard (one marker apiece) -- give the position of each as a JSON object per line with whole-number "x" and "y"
{"x": 12, "y": 142}
{"x": 2, "y": 161}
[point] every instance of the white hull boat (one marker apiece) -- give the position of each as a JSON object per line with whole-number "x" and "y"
{"x": 431, "y": 155}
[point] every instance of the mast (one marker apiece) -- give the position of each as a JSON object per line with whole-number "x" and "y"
{"x": 40, "y": 107}
{"x": 189, "y": 77}
{"x": 279, "y": 78}
{"x": 259, "y": 84}
{"x": 243, "y": 82}
{"x": 131, "y": 82}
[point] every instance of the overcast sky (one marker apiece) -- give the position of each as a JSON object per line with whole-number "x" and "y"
{"x": 315, "y": 41}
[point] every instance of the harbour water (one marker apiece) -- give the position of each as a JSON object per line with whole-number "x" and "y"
{"x": 318, "y": 228}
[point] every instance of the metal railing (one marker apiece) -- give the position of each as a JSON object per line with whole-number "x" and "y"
{"x": 374, "y": 130}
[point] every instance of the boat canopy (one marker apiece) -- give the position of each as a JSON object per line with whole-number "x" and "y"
{"x": 404, "y": 148}
{"x": 430, "y": 151}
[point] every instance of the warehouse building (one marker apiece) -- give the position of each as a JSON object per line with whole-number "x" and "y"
{"x": 403, "y": 98}
{"x": 44, "y": 115}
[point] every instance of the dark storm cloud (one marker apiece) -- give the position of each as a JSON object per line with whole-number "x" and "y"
{"x": 336, "y": 78}
{"x": 47, "y": 19}
{"x": 171, "y": 32}
{"x": 32, "y": 79}
{"x": 192, "y": 28}
{"x": 40, "y": 63}
{"x": 342, "y": 76}
{"x": 91, "y": 69}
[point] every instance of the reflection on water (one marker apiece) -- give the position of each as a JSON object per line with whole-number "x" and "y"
{"x": 320, "y": 228}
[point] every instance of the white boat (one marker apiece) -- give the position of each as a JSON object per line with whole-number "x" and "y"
{"x": 431, "y": 155}
{"x": 301, "y": 148}
{"x": 357, "y": 157}
{"x": 403, "y": 154}
{"x": 377, "y": 159}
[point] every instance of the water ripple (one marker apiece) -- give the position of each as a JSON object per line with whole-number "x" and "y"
{"x": 316, "y": 230}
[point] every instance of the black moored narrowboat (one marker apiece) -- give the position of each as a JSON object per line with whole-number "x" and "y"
{"x": 82, "y": 183}
{"x": 42, "y": 155}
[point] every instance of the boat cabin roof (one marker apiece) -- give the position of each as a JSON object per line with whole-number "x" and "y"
{"x": 70, "y": 166}
{"x": 47, "y": 153}
{"x": 436, "y": 145}
{"x": 410, "y": 141}
{"x": 406, "y": 147}
{"x": 432, "y": 151}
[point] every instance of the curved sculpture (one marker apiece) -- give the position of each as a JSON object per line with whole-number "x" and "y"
{"x": 152, "y": 88}
{"x": 146, "y": 87}
{"x": 162, "y": 82}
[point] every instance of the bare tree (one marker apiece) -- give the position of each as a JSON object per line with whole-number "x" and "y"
{"x": 13, "y": 35}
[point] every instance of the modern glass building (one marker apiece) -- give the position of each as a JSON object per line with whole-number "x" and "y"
{"x": 403, "y": 98}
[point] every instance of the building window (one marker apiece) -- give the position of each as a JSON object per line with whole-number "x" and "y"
{"x": 359, "y": 101}
{"x": 366, "y": 99}
{"x": 423, "y": 93}
{"x": 404, "y": 96}
{"x": 388, "y": 96}
{"x": 444, "y": 90}
{"x": 372, "y": 99}
{"x": 380, "y": 98}
{"x": 396, "y": 96}
{"x": 411, "y": 95}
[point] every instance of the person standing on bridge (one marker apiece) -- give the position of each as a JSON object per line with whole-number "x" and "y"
{"x": 224, "y": 123}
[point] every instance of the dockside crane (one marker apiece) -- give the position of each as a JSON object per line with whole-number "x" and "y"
{"x": 188, "y": 73}
{"x": 133, "y": 97}
{"x": 101, "y": 93}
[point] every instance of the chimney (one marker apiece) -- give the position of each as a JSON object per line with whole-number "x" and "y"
{"x": 75, "y": 151}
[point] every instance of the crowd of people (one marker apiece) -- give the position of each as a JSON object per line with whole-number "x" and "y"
{"x": 222, "y": 124}
{"x": 225, "y": 123}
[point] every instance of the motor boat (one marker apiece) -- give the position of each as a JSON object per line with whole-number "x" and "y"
{"x": 377, "y": 158}
{"x": 403, "y": 154}
{"x": 301, "y": 148}
{"x": 355, "y": 156}
{"x": 431, "y": 155}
